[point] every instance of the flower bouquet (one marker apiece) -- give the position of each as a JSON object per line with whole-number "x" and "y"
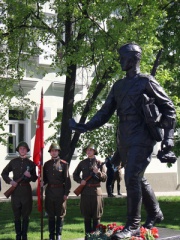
{"x": 105, "y": 232}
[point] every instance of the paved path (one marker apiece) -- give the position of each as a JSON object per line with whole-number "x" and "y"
{"x": 73, "y": 196}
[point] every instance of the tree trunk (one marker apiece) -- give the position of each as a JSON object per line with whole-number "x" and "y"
{"x": 65, "y": 138}
{"x": 87, "y": 109}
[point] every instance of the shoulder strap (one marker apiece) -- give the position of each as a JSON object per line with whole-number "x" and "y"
{"x": 63, "y": 161}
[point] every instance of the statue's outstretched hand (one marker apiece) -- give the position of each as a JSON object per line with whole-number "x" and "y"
{"x": 165, "y": 155}
{"x": 78, "y": 127}
{"x": 167, "y": 143}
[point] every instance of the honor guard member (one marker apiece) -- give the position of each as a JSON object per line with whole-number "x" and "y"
{"x": 117, "y": 177}
{"x": 110, "y": 175}
{"x": 21, "y": 198}
{"x": 91, "y": 204}
{"x": 56, "y": 176}
{"x": 135, "y": 141}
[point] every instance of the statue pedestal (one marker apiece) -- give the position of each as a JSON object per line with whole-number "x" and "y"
{"x": 168, "y": 234}
{"x": 164, "y": 234}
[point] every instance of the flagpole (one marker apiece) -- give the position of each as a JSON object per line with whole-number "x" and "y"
{"x": 38, "y": 159}
{"x": 42, "y": 179}
{"x": 42, "y": 212}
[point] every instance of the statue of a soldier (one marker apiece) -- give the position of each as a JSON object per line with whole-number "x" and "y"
{"x": 134, "y": 140}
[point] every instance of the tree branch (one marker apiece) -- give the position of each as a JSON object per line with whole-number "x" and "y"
{"x": 156, "y": 63}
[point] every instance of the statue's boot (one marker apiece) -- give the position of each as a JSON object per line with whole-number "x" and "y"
{"x": 132, "y": 227}
{"x": 127, "y": 232}
{"x": 154, "y": 213}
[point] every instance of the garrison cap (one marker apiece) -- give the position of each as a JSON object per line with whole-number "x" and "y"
{"x": 130, "y": 47}
{"x": 22, "y": 144}
{"x": 92, "y": 146}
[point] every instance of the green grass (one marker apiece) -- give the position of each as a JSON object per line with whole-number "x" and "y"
{"x": 114, "y": 211}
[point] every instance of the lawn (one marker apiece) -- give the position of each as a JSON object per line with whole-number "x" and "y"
{"x": 114, "y": 211}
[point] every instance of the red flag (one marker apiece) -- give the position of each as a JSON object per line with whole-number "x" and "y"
{"x": 38, "y": 151}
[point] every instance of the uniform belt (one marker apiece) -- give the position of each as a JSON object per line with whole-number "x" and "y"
{"x": 55, "y": 185}
{"x": 127, "y": 117}
{"x": 93, "y": 185}
{"x": 23, "y": 184}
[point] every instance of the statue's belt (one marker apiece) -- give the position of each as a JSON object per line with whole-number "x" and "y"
{"x": 128, "y": 117}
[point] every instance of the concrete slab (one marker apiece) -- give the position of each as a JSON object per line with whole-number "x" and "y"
{"x": 168, "y": 234}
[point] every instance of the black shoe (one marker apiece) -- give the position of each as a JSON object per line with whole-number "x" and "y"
{"x": 151, "y": 221}
{"x": 111, "y": 195}
{"x": 126, "y": 233}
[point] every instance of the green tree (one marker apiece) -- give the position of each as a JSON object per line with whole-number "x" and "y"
{"x": 86, "y": 34}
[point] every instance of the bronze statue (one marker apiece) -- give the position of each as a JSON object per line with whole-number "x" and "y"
{"x": 135, "y": 143}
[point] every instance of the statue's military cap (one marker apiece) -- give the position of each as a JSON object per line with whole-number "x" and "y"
{"x": 130, "y": 47}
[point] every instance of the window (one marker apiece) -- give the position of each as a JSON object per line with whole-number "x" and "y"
{"x": 17, "y": 129}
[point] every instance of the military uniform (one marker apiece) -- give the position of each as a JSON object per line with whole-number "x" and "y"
{"x": 56, "y": 176}
{"x": 117, "y": 177}
{"x": 91, "y": 204}
{"x": 110, "y": 176}
{"x": 134, "y": 140}
{"x": 21, "y": 198}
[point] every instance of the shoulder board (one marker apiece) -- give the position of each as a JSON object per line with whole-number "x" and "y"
{"x": 63, "y": 161}
{"x": 21, "y": 158}
{"x": 99, "y": 161}
{"x": 119, "y": 82}
{"x": 144, "y": 76}
{"x": 14, "y": 159}
{"x": 147, "y": 76}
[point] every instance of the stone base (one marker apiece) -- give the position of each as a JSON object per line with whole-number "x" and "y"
{"x": 164, "y": 234}
{"x": 168, "y": 234}
{"x": 78, "y": 239}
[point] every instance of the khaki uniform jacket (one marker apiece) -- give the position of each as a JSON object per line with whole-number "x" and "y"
{"x": 56, "y": 172}
{"x": 18, "y": 166}
{"x": 21, "y": 198}
{"x": 85, "y": 168}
